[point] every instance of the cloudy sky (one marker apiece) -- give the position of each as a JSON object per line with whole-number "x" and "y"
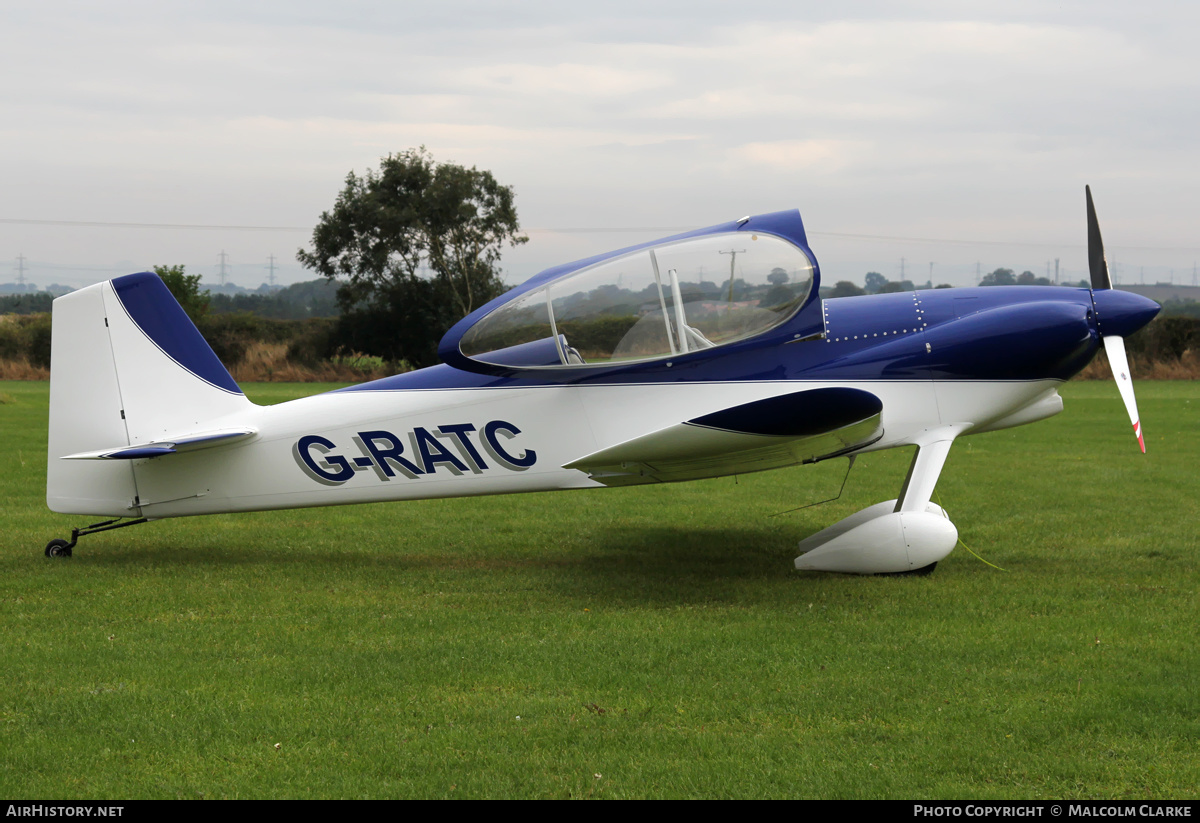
{"x": 952, "y": 133}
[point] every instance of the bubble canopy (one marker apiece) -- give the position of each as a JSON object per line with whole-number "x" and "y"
{"x": 665, "y": 299}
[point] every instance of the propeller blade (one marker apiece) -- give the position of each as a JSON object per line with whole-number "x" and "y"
{"x": 1096, "y": 262}
{"x": 1114, "y": 347}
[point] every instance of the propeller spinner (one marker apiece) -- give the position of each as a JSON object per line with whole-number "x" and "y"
{"x": 1115, "y": 311}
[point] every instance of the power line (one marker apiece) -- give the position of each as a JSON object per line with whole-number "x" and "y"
{"x": 953, "y": 242}
{"x": 99, "y": 224}
{"x": 585, "y": 230}
{"x": 72, "y": 267}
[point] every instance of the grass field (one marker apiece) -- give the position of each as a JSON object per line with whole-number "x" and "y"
{"x": 642, "y": 642}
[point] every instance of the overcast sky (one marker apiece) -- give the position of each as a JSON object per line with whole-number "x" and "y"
{"x": 967, "y": 129}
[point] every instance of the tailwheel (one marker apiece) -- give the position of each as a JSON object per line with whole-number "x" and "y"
{"x": 59, "y": 548}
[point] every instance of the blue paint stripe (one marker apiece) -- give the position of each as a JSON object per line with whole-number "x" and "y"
{"x": 138, "y": 452}
{"x": 799, "y": 414}
{"x": 1003, "y": 333}
{"x": 160, "y": 317}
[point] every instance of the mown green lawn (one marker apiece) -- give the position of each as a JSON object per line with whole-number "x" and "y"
{"x": 641, "y": 642}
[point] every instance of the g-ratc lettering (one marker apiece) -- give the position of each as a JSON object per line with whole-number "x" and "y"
{"x": 455, "y": 449}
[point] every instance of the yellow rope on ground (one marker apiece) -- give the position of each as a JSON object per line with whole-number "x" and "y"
{"x": 964, "y": 545}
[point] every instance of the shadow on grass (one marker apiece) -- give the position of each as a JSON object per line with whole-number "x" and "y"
{"x": 633, "y": 566}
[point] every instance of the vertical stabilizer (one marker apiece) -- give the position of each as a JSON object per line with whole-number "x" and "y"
{"x": 127, "y": 366}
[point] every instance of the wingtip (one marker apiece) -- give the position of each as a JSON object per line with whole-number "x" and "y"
{"x": 1137, "y": 429}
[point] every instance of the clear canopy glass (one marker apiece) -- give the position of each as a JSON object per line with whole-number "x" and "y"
{"x": 666, "y": 300}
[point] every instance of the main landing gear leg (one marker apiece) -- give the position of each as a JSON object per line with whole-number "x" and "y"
{"x": 908, "y": 535}
{"x": 61, "y": 548}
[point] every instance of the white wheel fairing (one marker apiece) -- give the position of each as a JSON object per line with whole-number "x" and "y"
{"x": 880, "y": 541}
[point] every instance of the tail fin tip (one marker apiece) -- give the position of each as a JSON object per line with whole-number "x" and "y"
{"x": 156, "y": 312}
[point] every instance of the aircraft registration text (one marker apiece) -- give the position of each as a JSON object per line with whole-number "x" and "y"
{"x": 457, "y": 448}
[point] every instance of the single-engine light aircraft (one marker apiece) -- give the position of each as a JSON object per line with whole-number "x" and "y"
{"x": 705, "y": 354}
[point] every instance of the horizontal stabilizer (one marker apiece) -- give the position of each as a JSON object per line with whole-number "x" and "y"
{"x": 175, "y": 445}
{"x": 800, "y": 427}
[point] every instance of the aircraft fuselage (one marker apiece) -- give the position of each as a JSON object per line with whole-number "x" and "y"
{"x": 979, "y": 358}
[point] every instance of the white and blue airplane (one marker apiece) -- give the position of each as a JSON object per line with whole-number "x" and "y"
{"x": 705, "y": 354}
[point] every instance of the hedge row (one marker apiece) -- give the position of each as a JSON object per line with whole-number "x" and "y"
{"x": 27, "y": 337}
{"x": 310, "y": 341}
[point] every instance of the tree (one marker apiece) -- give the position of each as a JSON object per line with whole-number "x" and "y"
{"x": 415, "y": 246}
{"x": 1028, "y": 278}
{"x": 844, "y": 288}
{"x": 26, "y": 303}
{"x": 1000, "y": 277}
{"x": 186, "y": 289}
{"x": 874, "y": 282}
{"x": 312, "y": 298}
